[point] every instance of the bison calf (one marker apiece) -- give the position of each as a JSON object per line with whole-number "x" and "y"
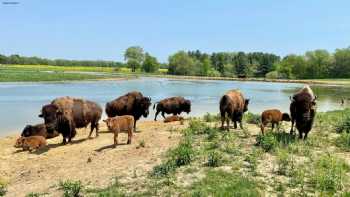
{"x": 273, "y": 116}
{"x": 173, "y": 118}
{"x": 120, "y": 124}
{"x": 38, "y": 130}
{"x": 31, "y": 143}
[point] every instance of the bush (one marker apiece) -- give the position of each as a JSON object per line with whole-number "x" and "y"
{"x": 272, "y": 75}
{"x": 343, "y": 125}
{"x": 215, "y": 159}
{"x": 329, "y": 174}
{"x": 267, "y": 142}
{"x": 284, "y": 162}
{"x": 183, "y": 154}
{"x": 3, "y": 189}
{"x": 71, "y": 188}
{"x": 163, "y": 169}
{"x": 343, "y": 141}
{"x": 211, "y": 118}
{"x": 252, "y": 118}
{"x": 196, "y": 127}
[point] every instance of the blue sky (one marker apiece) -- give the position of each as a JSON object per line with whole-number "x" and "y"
{"x": 104, "y": 29}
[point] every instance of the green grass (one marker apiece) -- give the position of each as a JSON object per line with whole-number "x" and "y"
{"x": 71, "y": 188}
{"x": 220, "y": 183}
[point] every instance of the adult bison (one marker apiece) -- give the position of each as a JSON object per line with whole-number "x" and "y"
{"x": 234, "y": 105}
{"x": 132, "y": 103}
{"x": 172, "y": 105}
{"x": 65, "y": 114}
{"x": 303, "y": 111}
{"x": 38, "y": 130}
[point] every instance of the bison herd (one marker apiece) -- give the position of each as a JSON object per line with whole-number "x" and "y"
{"x": 66, "y": 114}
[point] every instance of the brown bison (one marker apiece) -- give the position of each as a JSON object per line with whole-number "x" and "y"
{"x": 65, "y": 114}
{"x": 273, "y": 116}
{"x": 132, "y": 103}
{"x": 173, "y": 105}
{"x": 38, "y": 130}
{"x": 173, "y": 119}
{"x": 30, "y": 143}
{"x": 234, "y": 105}
{"x": 303, "y": 111}
{"x": 120, "y": 124}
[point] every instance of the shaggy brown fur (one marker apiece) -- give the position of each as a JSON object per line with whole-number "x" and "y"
{"x": 30, "y": 143}
{"x": 273, "y": 116}
{"x": 173, "y": 118}
{"x": 234, "y": 105}
{"x": 132, "y": 103}
{"x": 120, "y": 124}
{"x": 73, "y": 113}
{"x": 38, "y": 130}
{"x": 173, "y": 105}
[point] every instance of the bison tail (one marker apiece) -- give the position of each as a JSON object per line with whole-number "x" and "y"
{"x": 223, "y": 101}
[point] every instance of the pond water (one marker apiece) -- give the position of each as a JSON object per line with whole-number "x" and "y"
{"x": 20, "y": 103}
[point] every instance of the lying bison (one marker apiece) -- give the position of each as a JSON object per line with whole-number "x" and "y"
{"x": 132, "y": 103}
{"x": 38, "y": 130}
{"x": 234, "y": 105}
{"x": 273, "y": 116}
{"x": 173, "y": 105}
{"x": 303, "y": 111}
{"x": 65, "y": 114}
{"x": 31, "y": 143}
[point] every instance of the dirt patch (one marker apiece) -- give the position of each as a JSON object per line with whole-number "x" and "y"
{"x": 92, "y": 161}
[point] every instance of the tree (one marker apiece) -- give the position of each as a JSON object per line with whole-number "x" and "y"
{"x": 341, "y": 67}
{"x": 150, "y": 64}
{"x": 134, "y": 56}
{"x": 205, "y": 66}
{"x": 181, "y": 64}
{"x": 318, "y": 62}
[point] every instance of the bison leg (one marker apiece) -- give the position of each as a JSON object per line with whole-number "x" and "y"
{"x": 97, "y": 128}
{"x": 64, "y": 142}
{"x": 300, "y": 135}
{"x": 115, "y": 138}
{"x": 222, "y": 120}
{"x": 228, "y": 124}
{"x": 235, "y": 124}
{"x": 305, "y": 135}
{"x": 163, "y": 115}
{"x": 262, "y": 127}
{"x": 291, "y": 128}
{"x": 155, "y": 117}
{"x": 134, "y": 125}
{"x": 273, "y": 126}
{"x": 241, "y": 124}
{"x": 129, "y": 135}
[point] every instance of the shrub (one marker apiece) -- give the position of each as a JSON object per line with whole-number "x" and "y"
{"x": 329, "y": 174}
{"x": 70, "y": 188}
{"x": 163, "y": 169}
{"x": 215, "y": 159}
{"x": 343, "y": 141}
{"x": 267, "y": 142}
{"x": 284, "y": 162}
{"x": 252, "y": 118}
{"x": 343, "y": 125}
{"x": 32, "y": 194}
{"x": 183, "y": 154}
{"x": 3, "y": 189}
{"x": 252, "y": 159}
{"x": 211, "y": 118}
{"x": 196, "y": 127}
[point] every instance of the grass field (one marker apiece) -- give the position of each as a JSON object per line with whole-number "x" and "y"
{"x": 210, "y": 162}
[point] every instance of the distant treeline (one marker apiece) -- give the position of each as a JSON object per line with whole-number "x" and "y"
{"x": 315, "y": 64}
{"x": 21, "y": 60}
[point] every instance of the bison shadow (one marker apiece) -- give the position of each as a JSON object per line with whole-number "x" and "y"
{"x": 110, "y": 147}
{"x": 37, "y": 152}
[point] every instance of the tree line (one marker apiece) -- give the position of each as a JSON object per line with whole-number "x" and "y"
{"x": 315, "y": 64}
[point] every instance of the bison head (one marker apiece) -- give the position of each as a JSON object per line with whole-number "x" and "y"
{"x": 246, "y": 103}
{"x": 108, "y": 122}
{"x": 19, "y": 142}
{"x": 286, "y": 117}
{"x": 186, "y": 106}
{"x": 50, "y": 113}
{"x": 143, "y": 105}
{"x": 27, "y": 131}
{"x": 304, "y": 106}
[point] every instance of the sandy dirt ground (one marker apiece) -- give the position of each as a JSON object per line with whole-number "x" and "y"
{"x": 92, "y": 161}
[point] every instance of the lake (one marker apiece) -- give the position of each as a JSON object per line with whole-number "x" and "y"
{"x": 20, "y": 103}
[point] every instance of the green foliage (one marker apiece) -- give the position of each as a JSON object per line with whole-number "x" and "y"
{"x": 272, "y": 75}
{"x": 3, "y": 188}
{"x": 113, "y": 190}
{"x": 343, "y": 141}
{"x": 183, "y": 154}
{"x": 150, "y": 64}
{"x": 252, "y": 118}
{"x": 252, "y": 159}
{"x": 32, "y": 194}
{"x": 134, "y": 56}
{"x": 221, "y": 183}
{"x": 267, "y": 142}
{"x": 328, "y": 174}
{"x": 71, "y": 188}
{"x": 211, "y": 118}
{"x": 215, "y": 159}
{"x": 181, "y": 64}
{"x": 343, "y": 125}
{"x": 284, "y": 162}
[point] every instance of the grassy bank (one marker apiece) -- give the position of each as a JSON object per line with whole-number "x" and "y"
{"x": 210, "y": 162}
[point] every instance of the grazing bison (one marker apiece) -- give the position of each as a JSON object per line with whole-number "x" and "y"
{"x": 273, "y": 116}
{"x": 173, "y": 105}
{"x": 120, "y": 124}
{"x": 30, "y": 143}
{"x": 65, "y": 114}
{"x": 303, "y": 111}
{"x": 234, "y": 105}
{"x": 132, "y": 103}
{"x": 173, "y": 119}
{"x": 38, "y": 130}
